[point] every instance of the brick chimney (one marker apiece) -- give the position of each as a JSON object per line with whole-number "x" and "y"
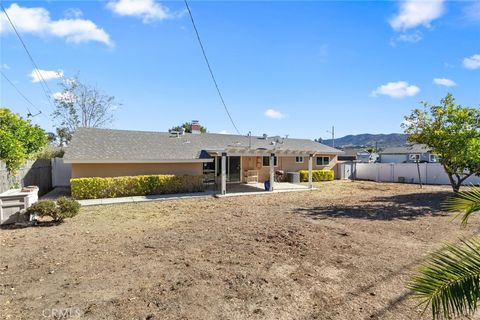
{"x": 195, "y": 127}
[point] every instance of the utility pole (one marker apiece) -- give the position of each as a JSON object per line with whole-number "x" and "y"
{"x": 333, "y": 136}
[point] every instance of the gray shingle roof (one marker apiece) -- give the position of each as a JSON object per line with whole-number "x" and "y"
{"x": 415, "y": 148}
{"x": 103, "y": 145}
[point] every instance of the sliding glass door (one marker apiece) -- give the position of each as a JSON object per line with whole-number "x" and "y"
{"x": 233, "y": 168}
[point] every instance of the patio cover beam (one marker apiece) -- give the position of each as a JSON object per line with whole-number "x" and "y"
{"x": 310, "y": 175}
{"x": 224, "y": 173}
{"x": 272, "y": 171}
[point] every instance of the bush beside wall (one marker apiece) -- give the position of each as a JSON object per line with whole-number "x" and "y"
{"x": 94, "y": 188}
{"x": 317, "y": 175}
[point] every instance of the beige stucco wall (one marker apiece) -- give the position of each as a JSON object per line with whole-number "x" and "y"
{"x": 286, "y": 164}
{"x": 82, "y": 170}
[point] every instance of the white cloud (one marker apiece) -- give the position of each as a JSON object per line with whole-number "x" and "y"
{"x": 45, "y": 74}
{"x": 73, "y": 13}
{"x": 4, "y": 66}
{"x": 472, "y": 62}
{"x": 37, "y": 21}
{"x": 444, "y": 82}
{"x": 274, "y": 114}
{"x": 224, "y": 132}
{"x": 399, "y": 89}
{"x": 407, "y": 37}
{"x": 414, "y": 13}
{"x": 147, "y": 10}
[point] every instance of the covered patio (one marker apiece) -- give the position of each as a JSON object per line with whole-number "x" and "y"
{"x": 246, "y": 157}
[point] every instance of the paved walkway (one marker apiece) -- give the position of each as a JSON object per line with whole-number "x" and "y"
{"x": 162, "y": 197}
{"x": 233, "y": 190}
{"x": 56, "y": 193}
{"x": 258, "y": 189}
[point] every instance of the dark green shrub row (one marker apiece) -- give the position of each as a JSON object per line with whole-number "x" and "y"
{"x": 63, "y": 208}
{"x": 94, "y": 188}
{"x": 317, "y": 175}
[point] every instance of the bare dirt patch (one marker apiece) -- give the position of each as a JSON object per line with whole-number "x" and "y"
{"x": 345, "y": 251}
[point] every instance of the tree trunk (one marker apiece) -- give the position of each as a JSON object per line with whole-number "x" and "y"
{"x": 456, "y": 184}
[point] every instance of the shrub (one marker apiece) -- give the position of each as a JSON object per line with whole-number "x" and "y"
{"x": 64, "y": 208}
{"x": 44, "y": 208}
{"x": 49, "y": 152}
{"x": 317, "y": 175}
{"x": 94, "y": 188}
{"x": 67, "y": 207}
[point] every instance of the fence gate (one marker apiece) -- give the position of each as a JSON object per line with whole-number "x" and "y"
{"x": 61, "y": 173}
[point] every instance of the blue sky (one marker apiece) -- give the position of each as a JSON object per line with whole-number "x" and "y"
{"x": 293, "y": 68}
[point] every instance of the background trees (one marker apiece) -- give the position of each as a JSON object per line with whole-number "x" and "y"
{"x": 81, "y": 105}
{"x": 187, "y": 127}
{"x": 19, "y": 139}
{"x": 452, "y": 132}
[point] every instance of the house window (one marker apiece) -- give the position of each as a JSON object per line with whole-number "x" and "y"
{"x": 266, "y": 161}
{"x": 299, "y": 159}
{"x": 414, "y": 157}
{"x": 433, "y": 158}
{"x": 323, "y": 161}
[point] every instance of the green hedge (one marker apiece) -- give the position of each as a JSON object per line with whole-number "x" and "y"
{"x": 94, "y": 188}
{"x": 317, "y": 175}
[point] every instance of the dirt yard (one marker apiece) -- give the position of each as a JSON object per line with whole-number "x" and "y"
{"x": 345, "y": 251}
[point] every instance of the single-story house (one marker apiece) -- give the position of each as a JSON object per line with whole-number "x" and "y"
{"x": 408, "y": 154}
{"x": 222, "y": 157}
{"x": 357, "y": 155}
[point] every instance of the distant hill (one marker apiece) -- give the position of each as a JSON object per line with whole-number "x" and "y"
{"x": 369, "y": 140}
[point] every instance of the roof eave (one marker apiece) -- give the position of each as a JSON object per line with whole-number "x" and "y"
{"x": 66, "y": 160}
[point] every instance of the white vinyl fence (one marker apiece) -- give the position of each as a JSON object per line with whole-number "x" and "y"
{"x": 61, "y": 173}
{"x": 430, "y": 173}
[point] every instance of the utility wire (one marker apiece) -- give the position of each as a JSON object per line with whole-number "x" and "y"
{"x": 43, "y": 83}
{"x": 18, "y": 90}
{"x": 23, "y": 96}
{"x": 210, "y": 68}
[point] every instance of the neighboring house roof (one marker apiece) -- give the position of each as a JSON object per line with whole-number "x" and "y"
{"x": 354, "y": 151}
{"x": 91, "y": 145}
{"x": 415, "y": 148}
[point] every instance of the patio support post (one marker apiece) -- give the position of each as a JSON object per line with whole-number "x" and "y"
{"x": 224, "y": 173}
{"x": 272, "y": 171}
{"x": 310, "y": 165}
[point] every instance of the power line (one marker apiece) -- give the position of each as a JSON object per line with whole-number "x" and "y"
{"x": 23, "y": 96}
{"x": 210, "y": 68}
{"x": 43, "y": 83}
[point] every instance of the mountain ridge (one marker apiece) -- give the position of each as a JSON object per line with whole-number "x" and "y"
{"x": 382, "y": 140}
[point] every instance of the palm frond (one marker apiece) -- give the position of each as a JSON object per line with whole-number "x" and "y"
{"x": 449, "y": 280}
{"x": 467, "y": 202}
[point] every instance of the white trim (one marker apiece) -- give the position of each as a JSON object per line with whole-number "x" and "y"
{"x": 322, "y": 165}
{"x": 303, "y": 159}
{"x": 139, "y": 161}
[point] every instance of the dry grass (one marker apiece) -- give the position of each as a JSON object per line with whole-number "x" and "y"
{"x": 345, "y": 251}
